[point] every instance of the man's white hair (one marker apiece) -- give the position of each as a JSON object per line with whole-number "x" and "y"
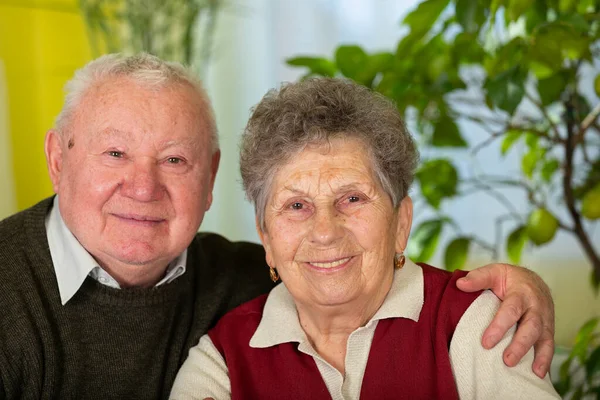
{"x": 143, "y": 68}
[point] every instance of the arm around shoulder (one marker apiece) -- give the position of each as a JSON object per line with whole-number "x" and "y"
{"x": 481, "y": 373}
{"x": 203, "y": 375}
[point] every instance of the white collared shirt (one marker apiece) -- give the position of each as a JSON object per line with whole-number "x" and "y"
{"x": 479, "y": 373}
{"x": 72, "y": 263}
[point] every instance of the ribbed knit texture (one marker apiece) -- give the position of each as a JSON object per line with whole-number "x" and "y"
{"x": 108, "y": 343}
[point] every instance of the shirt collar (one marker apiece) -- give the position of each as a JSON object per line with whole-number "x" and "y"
{"x": 280, "y": 323}
{"x": 72, "y": 263}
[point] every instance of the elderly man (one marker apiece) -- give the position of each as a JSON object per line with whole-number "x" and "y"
{"x": 105, "y": 287}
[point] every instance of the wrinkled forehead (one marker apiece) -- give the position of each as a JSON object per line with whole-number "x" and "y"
{"x": 334, "y": 164}
{"x": 125, "y": 105}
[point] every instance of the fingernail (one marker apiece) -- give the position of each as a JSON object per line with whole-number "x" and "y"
{"x": 511, "y": 359}
{"x": 541, "y": 371}
{"x": 490, "y": 341}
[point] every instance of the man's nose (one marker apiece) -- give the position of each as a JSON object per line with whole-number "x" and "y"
{"x": 327, "y": 226}
{"x": 143, "y": 181}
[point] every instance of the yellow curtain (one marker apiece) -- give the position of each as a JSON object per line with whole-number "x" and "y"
{"x": 42, "y": 43}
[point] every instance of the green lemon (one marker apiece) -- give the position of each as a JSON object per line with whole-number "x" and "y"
{"x": 597, "y": 85}
{"x": 590, "y": 205}
{"x": 541, "y": 226}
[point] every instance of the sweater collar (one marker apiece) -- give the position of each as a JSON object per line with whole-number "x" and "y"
{"x": 280, "y": 323}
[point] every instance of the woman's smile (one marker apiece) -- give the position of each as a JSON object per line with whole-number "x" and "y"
{"x": 330, "y": 266}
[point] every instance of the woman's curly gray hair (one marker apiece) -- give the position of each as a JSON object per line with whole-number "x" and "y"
{"x": 315, "y": 111}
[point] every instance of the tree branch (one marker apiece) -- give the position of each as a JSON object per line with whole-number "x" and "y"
{"x": 545, "y": 113}
{"x": 588, "y": 121}
{"x": 568, "y": 189}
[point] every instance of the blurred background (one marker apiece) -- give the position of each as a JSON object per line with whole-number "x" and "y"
{"x": 491, "y": 89}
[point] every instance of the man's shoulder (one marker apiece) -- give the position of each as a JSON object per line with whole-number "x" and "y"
{"x": 237, "y": 271}
{"x": 15, "y": 226}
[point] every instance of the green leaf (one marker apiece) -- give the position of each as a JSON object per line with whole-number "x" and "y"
{"x": 507, "y": 89}
{"x": 566, "y": 6}
{"x": 531, "y": 160}
{"x": 565, "y": 377}
{"x": 578, "y": 394}
{"x": 556, "y": 41}
{"x": 592, "y": 366}
{"x": 424, "y": 240}
{"x": 597, "y": 85}
{"x": 510, "y": 138}
{"x": 446, "y": 134}
{"x": 583, "y": 339}
{"x": 456, "y": 253}
{"x": 507, "y": 56}
{"x": 551, "y": 88}
{"x": 470, "y": 14}
{"x": 316, "y": 65}
{"x": 532, "y": 141}
{"x": 421, "y": 19}
{"x": 516, "y": 8}
{"x": 549, "y": 168}
{"x": 467, "y": 49}
{"x": 351, "y": 60}
{"x": 438, "y": 180}
{"x": 515, "y": 243}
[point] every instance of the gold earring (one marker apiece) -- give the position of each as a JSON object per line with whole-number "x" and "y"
{"x": 273, "y": 274}
{"x": 399, "y": 260}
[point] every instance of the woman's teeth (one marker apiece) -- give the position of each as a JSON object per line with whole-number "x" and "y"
{"x": 331, "y": 264}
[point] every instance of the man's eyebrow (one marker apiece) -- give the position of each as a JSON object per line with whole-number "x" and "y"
{"x": 187, "y": 142}
{"x": 111, "y": 132}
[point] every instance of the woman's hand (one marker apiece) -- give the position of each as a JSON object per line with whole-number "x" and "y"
{"x": 525, "y": 299}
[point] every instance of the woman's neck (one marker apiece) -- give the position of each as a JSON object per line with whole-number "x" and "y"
{"x": 328, "y": 327}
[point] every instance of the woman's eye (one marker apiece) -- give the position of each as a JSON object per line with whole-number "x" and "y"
{"x": 353, "y": 199}
{"x": 115, "y": 154}
{"x": 296, "y": 206}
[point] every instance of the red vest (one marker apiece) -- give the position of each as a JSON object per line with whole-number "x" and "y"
{"x": 407, "y": 359}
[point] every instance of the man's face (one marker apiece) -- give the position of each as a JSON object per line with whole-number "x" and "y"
{"x": 134, "y": 173}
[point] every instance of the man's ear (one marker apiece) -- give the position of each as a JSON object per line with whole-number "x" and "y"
{"x": 214, "y": 167}
{"x": 266, "y": 241}
{"x": 405, "y": 215}
{"x": 53, "y": 147}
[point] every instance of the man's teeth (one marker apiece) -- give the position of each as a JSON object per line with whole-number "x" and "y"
{"x": 331, "y": 264}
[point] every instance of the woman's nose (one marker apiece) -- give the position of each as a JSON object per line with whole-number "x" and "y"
{"x": 327, "y": 226}
{"x": 143, "y": 182}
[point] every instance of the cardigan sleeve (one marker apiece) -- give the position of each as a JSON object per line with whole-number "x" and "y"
{"x": 204, "y": 374}
{"x": 481, "y": 373}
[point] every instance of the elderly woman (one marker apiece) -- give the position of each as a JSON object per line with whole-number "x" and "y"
{"x": 328, "y": 165}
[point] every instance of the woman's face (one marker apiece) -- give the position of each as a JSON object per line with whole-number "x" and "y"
{"x": 330, "y": 229}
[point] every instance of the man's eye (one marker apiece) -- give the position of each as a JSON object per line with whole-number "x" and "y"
{"x": 174, "y": 160}
{"x": 297, "y": 206}
{"x": 115, "y": 154}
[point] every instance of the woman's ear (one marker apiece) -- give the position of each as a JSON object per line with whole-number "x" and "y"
{"x": 405, "y": 215}
{"x": 265, "y": 240}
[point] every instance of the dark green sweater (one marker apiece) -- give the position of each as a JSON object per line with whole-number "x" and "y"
{"x": 107, "y": 343}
